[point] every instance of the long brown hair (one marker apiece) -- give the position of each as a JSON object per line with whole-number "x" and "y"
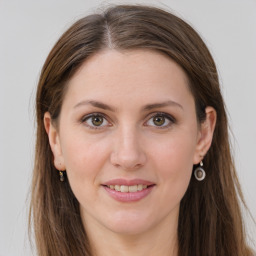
{"x": 210, "y": 221}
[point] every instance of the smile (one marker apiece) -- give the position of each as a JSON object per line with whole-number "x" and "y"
{"x": 130, "y": 189}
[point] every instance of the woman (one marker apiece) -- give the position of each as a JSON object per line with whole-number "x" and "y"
{"x": 132, "y": 153}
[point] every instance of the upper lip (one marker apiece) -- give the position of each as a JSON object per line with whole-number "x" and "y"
{"x": 128, "y": 182}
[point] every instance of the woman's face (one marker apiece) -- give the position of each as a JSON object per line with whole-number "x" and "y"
{"x": 128, "y": 123}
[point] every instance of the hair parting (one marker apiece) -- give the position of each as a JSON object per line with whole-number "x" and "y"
{"x": 210, "y": 221}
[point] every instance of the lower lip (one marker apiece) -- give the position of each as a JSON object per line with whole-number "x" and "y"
{"x": 130, "y": 196}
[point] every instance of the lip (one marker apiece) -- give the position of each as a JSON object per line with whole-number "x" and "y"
{"x": 128, "y": 182}
{"x": 128, "y": 196}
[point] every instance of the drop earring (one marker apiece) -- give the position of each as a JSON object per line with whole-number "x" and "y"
{"x": 61, "y": 173}
{"x": 199, "y": 172}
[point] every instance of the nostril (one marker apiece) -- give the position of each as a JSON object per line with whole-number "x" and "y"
{"x": 128, "y": 160}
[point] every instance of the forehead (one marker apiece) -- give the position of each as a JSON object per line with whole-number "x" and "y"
{"x": 134, "y": 74}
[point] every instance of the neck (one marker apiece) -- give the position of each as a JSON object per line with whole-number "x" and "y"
{"x": 161, "y": 240}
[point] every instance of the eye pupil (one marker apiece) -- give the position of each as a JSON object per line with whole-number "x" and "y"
{"x": 97, "y": 120}
{"x": 159, "y": 120}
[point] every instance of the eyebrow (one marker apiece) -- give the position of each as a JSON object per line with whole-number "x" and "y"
{"x": 96, "y": 104}
{"x": 161, "y": 105}
{"x": 147, "y": 107}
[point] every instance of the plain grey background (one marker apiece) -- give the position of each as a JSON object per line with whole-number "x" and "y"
{"x": 28, "y": 31}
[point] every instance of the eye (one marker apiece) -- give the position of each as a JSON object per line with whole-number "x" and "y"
{"x": 161, "y": 120}
{"x": 95, "y": 121}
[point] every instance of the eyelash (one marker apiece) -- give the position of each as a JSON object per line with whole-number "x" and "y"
{"x": 87, "y": 117}
{"x": 167, "y": 117}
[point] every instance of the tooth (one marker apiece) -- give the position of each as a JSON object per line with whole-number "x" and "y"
{"x": 140, "y": 187}
{"x": 133, "y": 188}
{"x": 117, "y": 187}
{"x": 124, "y": 188}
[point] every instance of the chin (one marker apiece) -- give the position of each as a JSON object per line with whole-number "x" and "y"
{"x": 128, "y": 229}
{"x": 129, "y": 224}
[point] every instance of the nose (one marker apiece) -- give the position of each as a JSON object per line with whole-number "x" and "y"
{"x": 128, "y": 153}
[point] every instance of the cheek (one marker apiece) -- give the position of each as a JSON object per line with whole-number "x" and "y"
{"x": 84, "y": 161}
{"x": 84, "y": 158}
{"x": 176, "y": 154}
{"x": 174, "y": 162}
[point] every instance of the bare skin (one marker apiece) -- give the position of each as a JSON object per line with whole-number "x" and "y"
{"x": 129, "y": 115}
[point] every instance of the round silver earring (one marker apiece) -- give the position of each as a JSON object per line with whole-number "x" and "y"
{"x": 199, "y": 172}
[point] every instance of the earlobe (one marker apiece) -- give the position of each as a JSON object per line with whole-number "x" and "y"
{"x": 206, "y": 134}
{"x": 54, "y": 141}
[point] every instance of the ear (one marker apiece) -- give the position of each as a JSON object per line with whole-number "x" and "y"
{"x": 54, "y": 141}
{"x": 205, "y": 134}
